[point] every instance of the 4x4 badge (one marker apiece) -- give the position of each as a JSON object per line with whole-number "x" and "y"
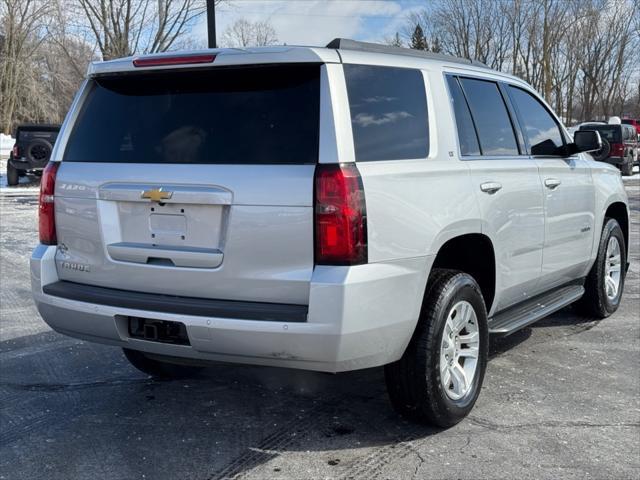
{"x": 156, "y": 194}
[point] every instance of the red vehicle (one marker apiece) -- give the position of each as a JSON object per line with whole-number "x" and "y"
{"x": 633, "y": 121}
{"x": 619, "y": 145}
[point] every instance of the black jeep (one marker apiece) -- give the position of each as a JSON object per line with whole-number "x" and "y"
{"x": 31, "y": 151}
{"x": 619, "y": 143}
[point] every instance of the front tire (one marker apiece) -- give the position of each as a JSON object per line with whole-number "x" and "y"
{"x": 439, "y": 377}
{"x": 159, "y": 369}
{"x": 605, "y": 282}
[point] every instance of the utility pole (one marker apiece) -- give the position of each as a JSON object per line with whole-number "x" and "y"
{"x": 211, "y": 23}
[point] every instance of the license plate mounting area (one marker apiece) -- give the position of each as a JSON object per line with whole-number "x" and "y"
{"x": 163, "y": 331}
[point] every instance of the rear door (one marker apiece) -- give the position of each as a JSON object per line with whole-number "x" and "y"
{"x": 193, "y": 183}
{"x": 569, "y": 197}
{"x": 507, "y": 184}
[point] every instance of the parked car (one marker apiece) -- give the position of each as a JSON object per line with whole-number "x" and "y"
{"x": 619, "y": 145}
{"x": 635, "y": 123}
{"x": 324, "y": 209}
{"x": 31, "y": 152}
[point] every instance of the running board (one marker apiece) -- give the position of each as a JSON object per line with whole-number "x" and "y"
{"x": 517, "y": 317}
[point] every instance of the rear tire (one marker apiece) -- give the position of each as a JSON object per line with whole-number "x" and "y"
{"x": 423, "y": 384}
{"x": 599, "y": 300}
{"x": 627, "y": 168}
{"x": 12, "y": 175}
{"x": 159, "y": 369}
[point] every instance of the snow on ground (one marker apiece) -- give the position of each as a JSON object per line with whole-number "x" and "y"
{"x": 6, "y": 144}
{"x": 28, "y": 184}
{"x": 635, "y": 176}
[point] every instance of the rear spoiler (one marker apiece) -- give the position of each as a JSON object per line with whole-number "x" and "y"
{"x": 214, "y": 57}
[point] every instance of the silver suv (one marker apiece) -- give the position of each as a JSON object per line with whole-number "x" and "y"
{"x": 325, "y": 209}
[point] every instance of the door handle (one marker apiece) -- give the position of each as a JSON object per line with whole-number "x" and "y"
{"x": 178, "y": 256}
{"x": 552, "y": 183}
{"x": 490, "y": 187}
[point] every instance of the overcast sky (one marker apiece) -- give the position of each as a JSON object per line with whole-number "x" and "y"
{"x": 316, "y": 22}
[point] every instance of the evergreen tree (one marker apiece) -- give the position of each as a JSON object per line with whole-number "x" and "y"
{"x": 418, "y": 40}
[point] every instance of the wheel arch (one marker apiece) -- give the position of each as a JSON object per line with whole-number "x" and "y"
{"x": 472, "y": 253}
{"x": 619, "y": 212}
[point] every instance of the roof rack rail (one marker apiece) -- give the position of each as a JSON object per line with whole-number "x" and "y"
{"x": 347, "y": 44}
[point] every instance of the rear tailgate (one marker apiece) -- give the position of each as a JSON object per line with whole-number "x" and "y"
{"x": 193, "y": 183}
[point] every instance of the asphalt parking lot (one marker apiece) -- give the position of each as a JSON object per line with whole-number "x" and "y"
{"x": 560, "y": 400}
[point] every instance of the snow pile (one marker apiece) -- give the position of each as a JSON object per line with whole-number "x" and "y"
{"x": 6, "y": 144}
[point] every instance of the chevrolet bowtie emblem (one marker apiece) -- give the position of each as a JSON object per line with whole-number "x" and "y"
{"x": 156, "y": 194}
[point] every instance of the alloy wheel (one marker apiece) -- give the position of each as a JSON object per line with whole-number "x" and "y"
{"x": 613, "y": 269}
{"x": 459, "y": 350}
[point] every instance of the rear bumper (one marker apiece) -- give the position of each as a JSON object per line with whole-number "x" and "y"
{"x": 357, "y": 317}
{"x": 24, "y": 164}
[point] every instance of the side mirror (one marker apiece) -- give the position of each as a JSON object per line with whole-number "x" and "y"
{"x": 586, "y": 141}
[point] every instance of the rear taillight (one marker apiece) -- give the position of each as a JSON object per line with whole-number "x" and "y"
{"x": 617, "y": 150}
{"x": 16, "y": 151}
{"x": 340, "y": 215}
{"x": 46, "y": 219}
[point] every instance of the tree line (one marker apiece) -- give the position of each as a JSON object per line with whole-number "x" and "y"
{"x": 582, "y": 55}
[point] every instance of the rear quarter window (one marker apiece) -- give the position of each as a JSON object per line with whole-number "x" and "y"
{"x": 466, "y": 130}
{"x": 388, "y": 112}
{"x": 249, "y": 115}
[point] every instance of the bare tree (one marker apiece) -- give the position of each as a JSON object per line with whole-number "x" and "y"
{"x": 64, "y": 56}
{"x": 265, "y": 34}
{"x": 20, "y": 21}
{"x": 465, "y": 28}
{"x": 126, "y": 27}
{"x": 609, "y": 56}
{"x": 244, "y": 33}
{"x": 394, "y": 41}
{"x": 582, "y": 55}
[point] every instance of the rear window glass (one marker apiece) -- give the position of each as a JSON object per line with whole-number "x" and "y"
{"x": 27, "y": 136}
{"x": 388, "y": 112}
{"x": 611, "y": 133}
{"x": 490, "y": 117}
{"x": 257, "y": 115}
